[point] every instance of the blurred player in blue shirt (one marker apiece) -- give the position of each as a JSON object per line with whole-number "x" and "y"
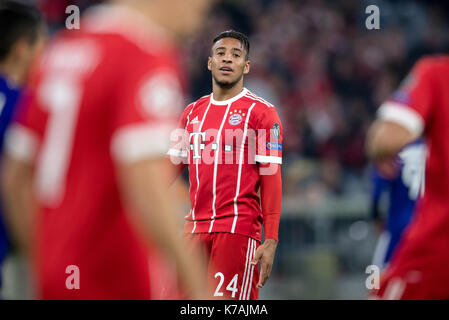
{"x": 22, "y": 35}
{"x": 404, "y": 185}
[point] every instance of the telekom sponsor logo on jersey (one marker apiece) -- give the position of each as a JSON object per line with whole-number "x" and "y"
{"x": 202, "y": 145}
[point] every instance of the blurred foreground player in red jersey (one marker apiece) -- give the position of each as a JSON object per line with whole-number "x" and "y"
{"x": 232, "y": 143}
{"x": 85, "y": 167}
{"x": 419, "y": 268}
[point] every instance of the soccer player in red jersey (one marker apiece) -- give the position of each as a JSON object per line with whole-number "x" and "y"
{"x": 86, "y": 154}
{"x": 232, "y": 145}
{"x": 419, "y": 268}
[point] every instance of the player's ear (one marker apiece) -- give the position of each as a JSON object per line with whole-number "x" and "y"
{"x": 209, "y": 63}
{"x": 247, "y": 67}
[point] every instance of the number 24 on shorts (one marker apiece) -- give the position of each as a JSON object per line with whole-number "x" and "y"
{"x": 232, "y": 285}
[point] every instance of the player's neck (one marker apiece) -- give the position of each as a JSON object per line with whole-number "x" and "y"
{"x": 223, "y": 93}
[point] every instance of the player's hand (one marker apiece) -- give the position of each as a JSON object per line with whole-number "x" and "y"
{"x": 265, "y": 255}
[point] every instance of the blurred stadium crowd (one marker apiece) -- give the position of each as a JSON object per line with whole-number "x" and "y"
{"x": 326, "y": 74}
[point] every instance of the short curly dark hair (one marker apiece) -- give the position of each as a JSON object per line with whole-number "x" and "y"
{"x": 236, "y": 35}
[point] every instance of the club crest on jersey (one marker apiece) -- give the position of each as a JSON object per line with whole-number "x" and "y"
{"x": 235, "y": 119}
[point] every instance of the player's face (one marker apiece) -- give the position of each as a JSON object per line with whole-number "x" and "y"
{"x": 227, "y": 62}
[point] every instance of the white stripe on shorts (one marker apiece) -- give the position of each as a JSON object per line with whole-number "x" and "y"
{"x": 246, "y": 283}
{"x": 248, "y": 260}
{"x": 252, "y": 271}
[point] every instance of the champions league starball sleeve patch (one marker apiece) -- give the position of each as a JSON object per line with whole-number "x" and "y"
{"x": 275, "y": 136}
{"x": 276, "y": 131}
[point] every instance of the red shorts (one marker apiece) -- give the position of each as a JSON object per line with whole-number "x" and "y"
{"x": 230, "y": 272}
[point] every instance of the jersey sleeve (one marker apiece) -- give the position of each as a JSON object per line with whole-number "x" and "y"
{"x": 178, "y": 141}
{"x": 269, "y": 137}
{"x": 145, "y": 114}
{"x": 271, "y": 202}
{"x": 411, "y": 105}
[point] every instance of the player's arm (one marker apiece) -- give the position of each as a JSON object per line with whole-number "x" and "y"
{"x": 402, "y": 119}
{"x": 387, "y": 138}
{"x": 269, "y": 158}
{"x": 17, "y": 201}
{"x": 145, "y": 186}
{"x": 139, "y": 143}
{"x": 175, "y": 169}
{"x": 271, "y": 199}
{"x": 16, "y": 185}
{"x": 176, "y": 157}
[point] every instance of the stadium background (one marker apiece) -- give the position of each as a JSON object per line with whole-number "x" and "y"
{"x": 327, "y": 74}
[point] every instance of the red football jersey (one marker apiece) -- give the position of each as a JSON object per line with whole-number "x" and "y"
{"x": 106, "y": 94}
{"x": 422, "y": 105}
{"x": 222, "y": 143}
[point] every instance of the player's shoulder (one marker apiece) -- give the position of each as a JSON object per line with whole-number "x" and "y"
{"x": 260, "y": 106}
{"x": 197, "y": 103}
{"x": 259, "y": 102}
{"x": 435, "y": 63}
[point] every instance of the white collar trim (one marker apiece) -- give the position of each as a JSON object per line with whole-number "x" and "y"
{"x": 230, "y": 100}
